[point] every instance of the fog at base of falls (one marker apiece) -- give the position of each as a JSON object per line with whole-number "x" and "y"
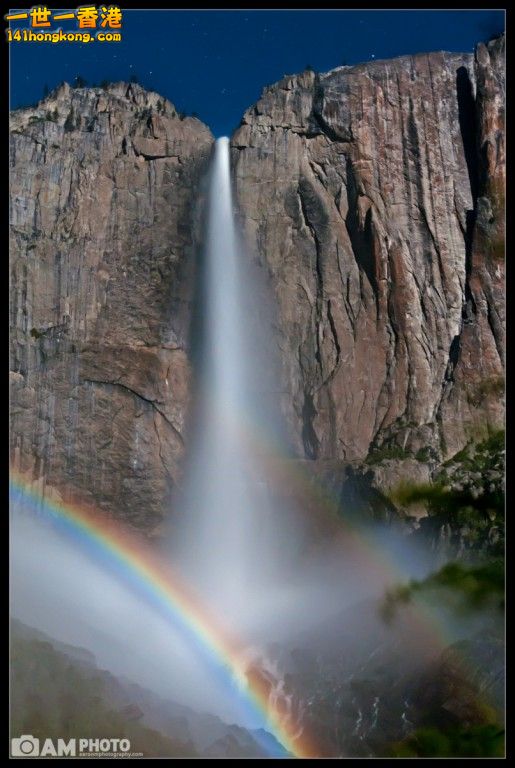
{"x": 58, "y": 588}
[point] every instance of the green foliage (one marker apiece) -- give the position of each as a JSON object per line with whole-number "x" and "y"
{"x": 478, "y": 741}
{"x": 459, "y": 457}
{"x": 387, "y": 452}
{"x": 492, "y": 445}
{"x": 35, "y": 333}
{"x": 144, "y": 113}
{"x": 439, "y": 499}
{"x": 475, "y": 587}
{"x": 69, "y": 124}
{"x": 479, "y": 469}
{"x": 465, "y": 510}
{"x": 425, "y": 454}
{"x": 467, "y": 495}
{"x": 480, "y": 455}
{"x": 53, "y": 116}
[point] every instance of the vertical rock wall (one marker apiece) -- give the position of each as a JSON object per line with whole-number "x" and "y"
{"x": 373, "y": 196}
{"x": 104, "y": 185}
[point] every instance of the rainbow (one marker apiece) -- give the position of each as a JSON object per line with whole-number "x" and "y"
{"x": 134, "y": 559}
{"x": 137, "y": 562}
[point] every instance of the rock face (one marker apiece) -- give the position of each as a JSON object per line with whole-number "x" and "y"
{"x": 477, "y": 381}
{"x": 373, "y": 198}
{"x": 103, "y": 186}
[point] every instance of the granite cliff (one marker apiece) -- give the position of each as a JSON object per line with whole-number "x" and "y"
{"x": 373, "y": 195}
{"x": 103, "y": 184}
{"x": 373, "y": 199}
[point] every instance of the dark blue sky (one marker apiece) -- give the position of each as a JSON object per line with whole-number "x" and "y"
{"x": 216, "y": 63}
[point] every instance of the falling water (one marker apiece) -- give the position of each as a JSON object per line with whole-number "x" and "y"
{"x": 224, "y": 347}
{"x": 224, "y": 505}
{"x": 239, "y": 539}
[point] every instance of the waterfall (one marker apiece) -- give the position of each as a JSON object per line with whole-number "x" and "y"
{"x": 225, "y": 505}
{"x": 237, "y": 537}
{"x": 224, "y": 347}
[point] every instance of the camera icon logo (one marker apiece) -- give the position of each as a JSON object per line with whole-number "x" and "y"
{"x": 25, "y": 746}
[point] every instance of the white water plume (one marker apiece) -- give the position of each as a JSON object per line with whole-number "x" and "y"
{"x": 225, "y": 541}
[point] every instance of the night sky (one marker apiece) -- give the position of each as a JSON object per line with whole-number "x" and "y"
{"x": 216, "y": 63}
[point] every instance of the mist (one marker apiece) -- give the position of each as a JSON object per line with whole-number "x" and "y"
{"x": 57, "y": 588}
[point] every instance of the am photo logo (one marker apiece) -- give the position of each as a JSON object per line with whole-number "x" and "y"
{"x": 86, "y": 24}
{"x": 30, "y": 746}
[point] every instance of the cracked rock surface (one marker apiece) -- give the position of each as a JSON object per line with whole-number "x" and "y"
{"x": 373, "y": 199}
{"x": 104, "y": 185}
{"x": 373, "y": 196}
